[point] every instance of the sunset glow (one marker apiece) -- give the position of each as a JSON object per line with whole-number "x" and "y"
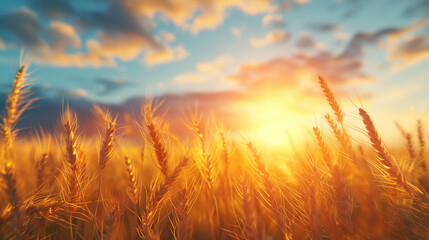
{"x": 214, "y": 119}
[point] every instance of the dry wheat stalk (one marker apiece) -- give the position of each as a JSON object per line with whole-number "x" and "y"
{"x": 344, "y": 204}
{"x": 341, "y": 136}
{"x": 71, "y": 154}
{"x": 14, "y": 200}
{"x": 41, "y": 168}
{"x": 422, "y": 143}
{"x": 156, "y": 197}
{"x": 312, "y": 211}
{"x": 409, "y": 138}
{"x": 109, "y": 223}
{"x": 107, "y": 148}
{"x": 17, "y": 102}
{"x": 249, "y": 224}
{"x": 331, "y": 100}
{"x": 158, "y": 144}
{"x": 132, "y": 193}
{"x": 272, "y": 195}
{"x": 323, "y": 147}
{"x": 390, "y": 166}
{"x": 183, "y": 227}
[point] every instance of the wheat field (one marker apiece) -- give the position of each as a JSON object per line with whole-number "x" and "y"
{"x": 69, "y": 185}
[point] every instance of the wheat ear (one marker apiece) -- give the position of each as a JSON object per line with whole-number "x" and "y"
{"x": 133, "y": 193}
{"x": 390, "y": 166}
{"x": 158, "y": 144}
{"x": 41, "y": 169}
{"x": 331, "y": 100}
{"x": 408, "y": 137}
{"x": 422, "y": 143}
{"x": 14, "y": 200}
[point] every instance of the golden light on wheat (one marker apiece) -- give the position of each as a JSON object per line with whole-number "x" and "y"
{"x": 213, "y": 185}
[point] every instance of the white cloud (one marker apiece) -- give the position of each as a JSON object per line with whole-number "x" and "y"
{"x": 206, "y": 71}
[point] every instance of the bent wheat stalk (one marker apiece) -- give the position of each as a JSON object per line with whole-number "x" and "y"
{"x": 389, "y": 165}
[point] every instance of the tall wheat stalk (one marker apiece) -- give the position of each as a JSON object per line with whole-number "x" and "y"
{"x": 390, "y": 166}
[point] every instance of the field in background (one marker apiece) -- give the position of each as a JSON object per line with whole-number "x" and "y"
{"x": 68, "y": 185}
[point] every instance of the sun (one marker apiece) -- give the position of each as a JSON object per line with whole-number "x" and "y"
{"x": 273, "y": 134}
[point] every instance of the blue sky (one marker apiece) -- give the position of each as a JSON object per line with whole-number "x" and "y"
{"x": 113, "y": 51}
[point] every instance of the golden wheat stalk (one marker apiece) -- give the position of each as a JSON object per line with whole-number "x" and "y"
{"x": 312, "y": 211}
{"x": 249, "y": 228}
{"x": 41, "y": 169}
{"x": 332, "y": 100}
{"x": 109, "y": 223}
{"x": 107, "y": 147}
{"x": 422, "y": 143}
{"x": 390, "y": 166}
{"x": 71, "y": 154}
{"x": 341, "y": 135}
{"x": 344, "y": 204}
{"x": 14, "y": 200}
{"x": 75, "y": 161}
{"x": 132, "y": 185}
{"x": 409, "y": 138}
{"x": 183, "y": 226}
{"x": 17, "y": 102}
{"x": 157, "y": 196}
{"x": 272, "y": 195}
{"x": 157, "y": 141}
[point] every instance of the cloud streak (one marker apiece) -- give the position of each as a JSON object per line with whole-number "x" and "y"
{"x": 276, "y": 37}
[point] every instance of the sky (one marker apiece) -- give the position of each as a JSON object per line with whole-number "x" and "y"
{"x": 251, "y": 64}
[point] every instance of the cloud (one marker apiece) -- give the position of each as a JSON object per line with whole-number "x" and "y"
{"x": 182, "y": 13}
{"x": 410, "y": 52}
{"x": 123, "y": 28}
{"x": 271, "y": 38}
{"x": 168, "y": 54}
{"x": 110, "y": 85}
{"x": 65, "y": 36}
{"x": 236, "y": 32}
{"x": 168, "y": 37}
{"x": 357, "y": 43}
{"x": 419, "y": 7}
{"x": 189, "y": 78}
{"x": 53, "y": 8}
{"x": 102, "y": 52}
{"x": 305, "y": 41}
{"x": 21, "y": 26}
{"x": 342, "y": 36}
{"x": 215, "y": 67}
{"x": 325, "y": 27}
{"x": 299, "y": 72}
{"x": 206, "y": 71}
{"x": 273, "y": 20}
{"x": 302, "y": 1}
{"x": 75, "y": 93}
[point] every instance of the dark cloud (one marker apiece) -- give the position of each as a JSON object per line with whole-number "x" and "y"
{"x": 116, "y": 19}
{"x": 306, "y": 42}
{"x": 352, "y": 8}
{"x": 53, "y": 8}
{"x": 418, "y": 7}
{"x": 410, "y": 52}
{"x": 325, "y": 27}
{"x": 21, "y": 26}
{"x": 122, "y": 33}
{"x": 356, "y": 45}
{"x": 110, "y": 85}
